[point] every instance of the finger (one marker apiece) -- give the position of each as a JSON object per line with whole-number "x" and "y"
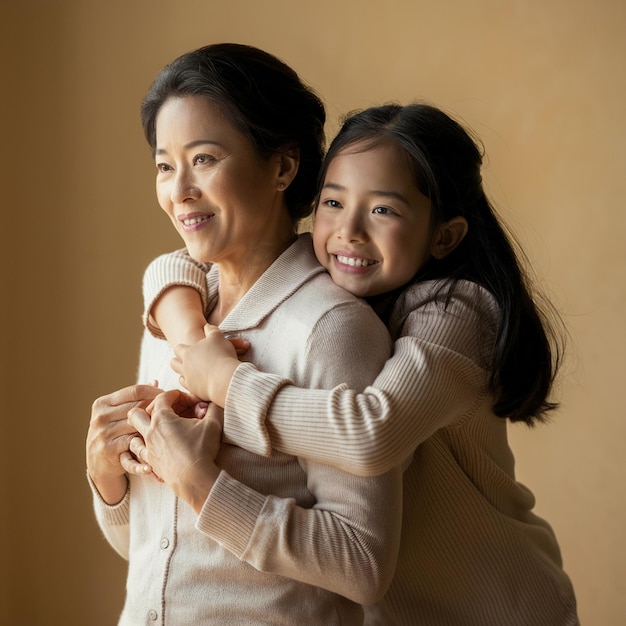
{"x": 148, "y": 409}
{"x": 240, "y": 344}
{"x": 176, "y": 364}
{"x": 200, "y": 409}
{"x": 132, "y": 466}
{"x": 138, "y": 448}
{"x": 139, "y": 419}
{"x": 180, "y": 350}
{"x": 210, "y": 328}
{"x": 133, "y": 394}
{"x": 168, "y": 400}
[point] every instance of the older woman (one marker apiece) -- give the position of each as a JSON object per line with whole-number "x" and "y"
{"x": 225, "y": 536}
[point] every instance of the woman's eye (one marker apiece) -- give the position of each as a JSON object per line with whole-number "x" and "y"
{"x": 203, "y": 159}
{"x": 333, "y": 204}
{"x": 163, "y": 167}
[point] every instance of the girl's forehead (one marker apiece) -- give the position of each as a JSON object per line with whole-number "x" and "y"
{"x": 385, "y": 148}
{"x": 385, "y": 151}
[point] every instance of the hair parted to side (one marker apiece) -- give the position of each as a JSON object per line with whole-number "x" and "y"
{"x": 262, "y": 96}
{"x": 446, "y": 163}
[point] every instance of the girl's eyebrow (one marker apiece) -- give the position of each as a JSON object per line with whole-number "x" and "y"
{"x": 334, "y": 187}
{"x": 193, "y": 144}
{"x": 392, "y": 195}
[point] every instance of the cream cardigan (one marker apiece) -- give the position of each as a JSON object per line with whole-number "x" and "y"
{"x": 280, "y": 540}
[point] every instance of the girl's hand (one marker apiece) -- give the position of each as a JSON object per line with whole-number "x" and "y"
{"x": 207, "y": 367}
{"x": 109, "y": 436}
{"x": 180, "y": 450}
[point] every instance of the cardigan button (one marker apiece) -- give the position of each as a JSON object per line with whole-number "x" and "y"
{"x": 165, "y": 543}
{"x": 152, "y": 614}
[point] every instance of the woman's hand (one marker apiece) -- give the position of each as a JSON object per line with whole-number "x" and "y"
{"x": 207, "y": 367}
{"x": 110, "y": 435}
{"x": 180, "y": 450}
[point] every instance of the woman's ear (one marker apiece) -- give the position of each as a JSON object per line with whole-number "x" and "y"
{"x": 448, "y": 236}
{"x": 288, "y": 163}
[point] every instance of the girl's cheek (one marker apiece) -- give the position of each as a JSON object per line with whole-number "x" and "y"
{"x": 319, "y": 246}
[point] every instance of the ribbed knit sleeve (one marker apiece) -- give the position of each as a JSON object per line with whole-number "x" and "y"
{"x": 350, "y": 534}
{"x": 167, "y": 270}
{"x": 435, "y": 377}
{"x": 347, "y": 543}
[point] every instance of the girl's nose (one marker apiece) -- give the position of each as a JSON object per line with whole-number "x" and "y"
{"x": 352, "y": 228}
{"x": 184, "y": 189}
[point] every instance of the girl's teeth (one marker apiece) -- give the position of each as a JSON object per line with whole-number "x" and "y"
{"x": 348, "y": 260}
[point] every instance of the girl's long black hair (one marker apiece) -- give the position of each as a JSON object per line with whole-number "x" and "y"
{"x": 447, "y": 163}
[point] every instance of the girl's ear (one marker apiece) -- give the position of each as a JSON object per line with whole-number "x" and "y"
{"x": 448, "y": 236}
{"x": 288, "y": 163}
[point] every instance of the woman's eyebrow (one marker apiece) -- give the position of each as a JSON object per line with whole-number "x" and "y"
{"x": 193, "y": 144}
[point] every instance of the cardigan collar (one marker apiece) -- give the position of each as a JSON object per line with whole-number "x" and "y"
{"x": 294, "y": 267}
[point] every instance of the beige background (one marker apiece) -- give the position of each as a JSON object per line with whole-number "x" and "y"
{"x": 543, "y": 82}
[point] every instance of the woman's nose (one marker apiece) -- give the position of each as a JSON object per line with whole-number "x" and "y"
{"x": 184, "y": 189}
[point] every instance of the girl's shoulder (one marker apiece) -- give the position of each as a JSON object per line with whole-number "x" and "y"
{"x": 451, "y": 294}
{"x": 444, "y": 304}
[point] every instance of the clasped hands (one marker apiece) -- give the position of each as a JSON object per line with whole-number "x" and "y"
{"x": 175, "y": 446}
{"x": 141, "y": 430}
{"x": 205, "y": 369}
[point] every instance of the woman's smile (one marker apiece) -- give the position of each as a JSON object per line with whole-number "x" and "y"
{"x": 192, "y": 222}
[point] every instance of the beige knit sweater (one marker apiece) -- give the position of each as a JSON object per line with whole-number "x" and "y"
{"x": 472, "y": 552}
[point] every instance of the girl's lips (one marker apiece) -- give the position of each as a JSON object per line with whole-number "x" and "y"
{"x": 353, "y": 264}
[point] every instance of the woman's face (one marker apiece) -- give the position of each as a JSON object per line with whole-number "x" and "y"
{"x": 218, "y": 192}
{"x": 372, "y": 229}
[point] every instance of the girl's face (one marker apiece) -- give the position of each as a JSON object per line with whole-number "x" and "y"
{"x": 372, "y": 229}
{"x": 218, "y": 192}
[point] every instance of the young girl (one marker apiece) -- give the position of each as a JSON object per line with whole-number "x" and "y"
{"x": 403, "y": 220}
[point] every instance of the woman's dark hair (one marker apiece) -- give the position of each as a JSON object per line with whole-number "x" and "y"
{"x": 262, "y": 96}
{"x": 446, "y": 163}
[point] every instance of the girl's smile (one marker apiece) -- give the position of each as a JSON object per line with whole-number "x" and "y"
{"x": 350, "y": 263}
{"x": 372, "y": 228}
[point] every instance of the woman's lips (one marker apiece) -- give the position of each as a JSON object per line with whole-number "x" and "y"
{"x": 194, "y": 221}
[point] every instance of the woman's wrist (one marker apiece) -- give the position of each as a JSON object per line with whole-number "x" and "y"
{"x": 112, "y": 489}
{"x": 197, "y": 489}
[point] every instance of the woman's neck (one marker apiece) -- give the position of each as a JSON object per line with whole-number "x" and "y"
{"x": 236, "y": 278}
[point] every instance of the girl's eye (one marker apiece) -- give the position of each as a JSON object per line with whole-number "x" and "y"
{"x": 333, "y": 204}
{"x": 163, "y": 167}
{"x": 382, "y": 210}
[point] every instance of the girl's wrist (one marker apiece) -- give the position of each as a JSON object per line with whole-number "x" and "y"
{"x": 227, "y": 371}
